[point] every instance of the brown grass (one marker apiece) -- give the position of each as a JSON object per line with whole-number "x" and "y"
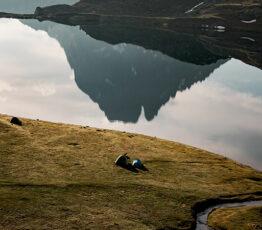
{"x": 58, "y": 176}
{"x": 242, "y": 218}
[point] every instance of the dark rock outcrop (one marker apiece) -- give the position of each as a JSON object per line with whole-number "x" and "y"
{"x": 16, "y": 121}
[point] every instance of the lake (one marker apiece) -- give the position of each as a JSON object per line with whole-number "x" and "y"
{"x": 175, "y": 86}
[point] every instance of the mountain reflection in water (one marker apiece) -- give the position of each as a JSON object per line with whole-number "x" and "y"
{"x": 123, "y": 79}
{"x": 128, "y": 71}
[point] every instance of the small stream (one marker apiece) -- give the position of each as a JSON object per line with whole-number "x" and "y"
{"x": 201, "y": 222}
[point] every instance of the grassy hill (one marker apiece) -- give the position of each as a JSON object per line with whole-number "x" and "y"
{"x": 55, "y": 176}
{"x": 243, "y": 218}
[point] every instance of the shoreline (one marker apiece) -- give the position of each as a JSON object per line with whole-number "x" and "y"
{"x": 58, "y": 175}
{"x": 203, "y": 216}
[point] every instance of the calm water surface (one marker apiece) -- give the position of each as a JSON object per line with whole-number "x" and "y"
{"x": 59, "y": 73}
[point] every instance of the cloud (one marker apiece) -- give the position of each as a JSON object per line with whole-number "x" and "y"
{"x": 45, "y": 89}
{"x": 120, "y": 48}
{"x": 5, "y": 86}
{"x": 28, "y": 51}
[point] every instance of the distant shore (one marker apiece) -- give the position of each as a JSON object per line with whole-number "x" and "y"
{"x": 227, "y": 30}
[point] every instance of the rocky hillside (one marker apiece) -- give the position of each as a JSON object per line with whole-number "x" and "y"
{"x": 246, "y": 9}
{"x": 219, "y": 15}
{"x": 239, "y": 15}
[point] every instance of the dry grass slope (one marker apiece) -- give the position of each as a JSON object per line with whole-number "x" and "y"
{"x": 243, "y": 218}
{"x": 59, "y": 176}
